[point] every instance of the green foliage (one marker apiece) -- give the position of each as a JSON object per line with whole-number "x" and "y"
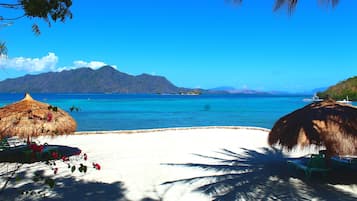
{"x": 39, "y": 178}
{"x": 342, "y": 90}
{"x": 45, "y": 10}
{"x": 73, "y": 168}
{"x": 53, "y": 108}
{"x": 3, "y": 48}
{"x": 82, "y": 168}
{"x": 50, "y": 182}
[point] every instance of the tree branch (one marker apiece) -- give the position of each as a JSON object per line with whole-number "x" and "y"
{"x": 10, "y": 177}
{"x": 9, "y": 5}
{"x": 12, "y": 19}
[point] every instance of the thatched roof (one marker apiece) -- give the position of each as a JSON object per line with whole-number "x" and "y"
{"x": 30, "y": 118}
{"x": 326, "y": 123}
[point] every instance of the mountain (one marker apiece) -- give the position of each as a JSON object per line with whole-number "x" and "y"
{"x": 232, "y": 90}
{"x": 223, "y": 88}
{"x": 341, "y": 90}
{"x": 86, "y": 80}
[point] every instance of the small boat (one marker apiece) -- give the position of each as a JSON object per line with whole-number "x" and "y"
{"x": 315, "y": 98}
{"x": 345, "y": 101}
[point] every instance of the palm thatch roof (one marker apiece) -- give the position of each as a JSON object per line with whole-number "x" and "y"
{"x": 31, "y": 118}
{"x": 325, "y": 123}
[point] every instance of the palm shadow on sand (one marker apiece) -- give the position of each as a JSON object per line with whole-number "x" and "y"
{"x": 265, "y": 175}
{"x": 69, "y": 189}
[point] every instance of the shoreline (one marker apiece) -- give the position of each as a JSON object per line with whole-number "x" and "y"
{"x": 152, "y": 130}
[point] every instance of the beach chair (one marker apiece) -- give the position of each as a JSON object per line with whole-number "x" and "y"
{"x": 4, "y": 145}
{"x": 346, "y": 162}
{"x": 10, "y": 142}
{"x": 316, "y": 163}
{"x": 15, "y": 141}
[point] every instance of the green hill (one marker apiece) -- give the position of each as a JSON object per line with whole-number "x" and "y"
{"x": 86, "y": 80}
{"x": 342, "y": 89}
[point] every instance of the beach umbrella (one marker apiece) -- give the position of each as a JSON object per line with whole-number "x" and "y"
{"x": 30, "y": 118}
{"x": 326, "y": 123}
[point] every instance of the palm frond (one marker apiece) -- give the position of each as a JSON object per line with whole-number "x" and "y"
{"x": 259, "y": 175}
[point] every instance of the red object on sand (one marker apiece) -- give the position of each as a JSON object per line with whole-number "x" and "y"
{"x": 96, "y": 166}
{"x": 54, "y": 155}
{"x": 36, "y": 148}
{"x": 49, "y": 117}
{"x": 64, "y": 158}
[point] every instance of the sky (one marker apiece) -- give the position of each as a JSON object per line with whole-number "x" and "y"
{"x": 194, "y": 43}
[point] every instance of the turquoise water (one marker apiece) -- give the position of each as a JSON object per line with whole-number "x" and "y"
{"x": 130, "y": 112}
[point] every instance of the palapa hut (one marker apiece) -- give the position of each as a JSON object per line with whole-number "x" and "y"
{"x": 30, "y": 118}
{"x": 325, "y": 123}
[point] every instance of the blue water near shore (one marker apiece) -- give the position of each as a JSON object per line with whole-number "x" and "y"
{"x": 131, "y": 112}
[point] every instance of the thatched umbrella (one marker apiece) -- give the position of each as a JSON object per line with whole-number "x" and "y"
{"x": 31, "y": 118}
{"x": 325, "y": 123}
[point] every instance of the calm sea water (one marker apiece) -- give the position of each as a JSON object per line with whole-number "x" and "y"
{"x": 130, "y": 112}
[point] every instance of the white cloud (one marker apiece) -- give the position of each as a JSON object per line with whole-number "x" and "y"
{"x": 45, "y": 63}
{"x": 92, "y": 64}
{"x": 80, "y": 64}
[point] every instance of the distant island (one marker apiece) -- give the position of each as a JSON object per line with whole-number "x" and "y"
{"x": 346, "y": 88}
{"x": 107, "y": 80}
{"x": 232, "y": 90}
{"x": 86, "y": 80}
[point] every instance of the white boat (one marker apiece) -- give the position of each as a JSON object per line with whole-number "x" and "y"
{"x": 345, "y": 101}
{"x": 315, "y": 98}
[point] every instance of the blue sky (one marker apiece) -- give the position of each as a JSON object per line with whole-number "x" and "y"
{"x": 200, "y": 43}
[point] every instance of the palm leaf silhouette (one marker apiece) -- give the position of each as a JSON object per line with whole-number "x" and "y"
{"x": 263, "y": 175}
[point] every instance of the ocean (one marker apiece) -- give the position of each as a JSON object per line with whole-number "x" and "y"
{"x": 132, "y": 112}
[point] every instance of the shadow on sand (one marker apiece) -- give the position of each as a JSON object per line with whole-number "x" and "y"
{"x": 67, "y": 189}
{"x": 264, "y": 175}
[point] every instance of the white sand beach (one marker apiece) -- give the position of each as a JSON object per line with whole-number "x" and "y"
{"x": 140, "y": 165}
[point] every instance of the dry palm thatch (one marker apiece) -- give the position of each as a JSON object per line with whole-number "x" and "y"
{"x": 326, "y": 123}
{"x": 31, "y": 118}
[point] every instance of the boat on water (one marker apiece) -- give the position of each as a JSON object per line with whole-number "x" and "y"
{"x": 345, "y": 101}
{"x": 315, "y": 98}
